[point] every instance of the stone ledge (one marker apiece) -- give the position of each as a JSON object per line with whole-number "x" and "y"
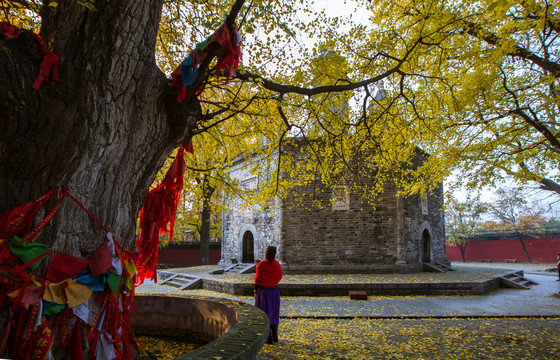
{"x": 353, "y": 269}
{"x": 235, "y": 330}
{"x": 394, "y": 288}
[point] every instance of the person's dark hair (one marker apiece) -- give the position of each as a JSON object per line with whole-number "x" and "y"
{"x": 270, "y": 253}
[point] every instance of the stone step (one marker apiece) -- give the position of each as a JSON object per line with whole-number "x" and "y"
{"x": 241, "y": 268}
{"x": 447, "y": 267}
{"x": 180, "y": 281}
{"x": 167, "y": 278}
{"x": 516, "y": 280}
{"x": 436, "y": 267}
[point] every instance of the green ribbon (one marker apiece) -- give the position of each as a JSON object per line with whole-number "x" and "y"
{"x": 27, "y": 251}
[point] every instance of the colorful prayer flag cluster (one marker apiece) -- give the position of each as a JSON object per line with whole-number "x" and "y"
{"x": 226, "y": 41}
{"x": 79, "y": 310}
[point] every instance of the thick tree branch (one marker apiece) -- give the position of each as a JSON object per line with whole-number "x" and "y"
{"x": 230, "y": 19}
{"x": 212, "y": 50}
{"x": 287, "y": 89}
{"x": 549, "y": 185}
{"x": 293, "y": 89}
{"x": 544, "y": 183}
{"x": 532, "y": 119}
{"x": 518, "y": 51}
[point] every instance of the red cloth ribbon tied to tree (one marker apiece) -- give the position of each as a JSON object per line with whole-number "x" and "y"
{"x": 43, "y": 341}
{"x": 158, "y": 216}
{"x": 36, "y": 303}
{"x": 226, "y": 41}
{"x": 9, "y": 31}
{"x": 229, "y": 52}
{"x": 49, "y": 65}
{"x": 12, "y": 222}
{"x": 178, "y": 83}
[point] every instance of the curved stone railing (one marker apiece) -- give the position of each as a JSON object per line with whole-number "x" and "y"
{"x": 233, "y": 330}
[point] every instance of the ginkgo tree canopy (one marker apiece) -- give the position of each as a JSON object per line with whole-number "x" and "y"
{"x": 473, "y": 85}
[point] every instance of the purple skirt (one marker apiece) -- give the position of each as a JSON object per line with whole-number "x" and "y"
{"x": 268, "y": 300}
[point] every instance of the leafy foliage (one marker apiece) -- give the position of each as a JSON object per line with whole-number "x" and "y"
{"x": 463, "y": 220}
{"x": 515, "y": 213}
{"x": 473, "y": 85}
{"x": 512, "y": 210}
{"x": 480, "y": 84}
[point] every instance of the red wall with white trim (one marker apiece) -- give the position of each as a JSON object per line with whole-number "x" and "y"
{"x": 540, "y": 250}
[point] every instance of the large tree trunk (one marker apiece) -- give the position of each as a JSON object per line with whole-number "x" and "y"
{"x": 523, "y": 245}
{"x": 205, "y": 222}
{"x": 102, "y": 131}
{"x": 463, "y": 248}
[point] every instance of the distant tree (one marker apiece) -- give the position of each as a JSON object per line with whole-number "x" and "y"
{"x": 552, "y": 225}
{"x": 514, "y": 212}
{"x": 490, "y": 226}
{"x": 463, "y": 220}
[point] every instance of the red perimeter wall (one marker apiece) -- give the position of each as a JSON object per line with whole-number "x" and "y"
{"x": 540, "y": 250}
{"x": 186, "y": 256}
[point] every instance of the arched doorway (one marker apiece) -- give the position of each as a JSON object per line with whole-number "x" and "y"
{"x": 248, "y": 247}
{"x": 426, "y": 246}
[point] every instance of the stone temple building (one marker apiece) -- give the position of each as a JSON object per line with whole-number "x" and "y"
{"x": 346, "y": 235}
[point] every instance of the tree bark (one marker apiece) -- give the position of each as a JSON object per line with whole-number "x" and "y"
{"x": 463, "y": 248}
{"x": 520, "y": 236}
{"x": 205, "y": 222}
{"x": 103, "y": 130}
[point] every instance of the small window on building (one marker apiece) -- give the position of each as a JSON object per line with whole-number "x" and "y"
{"x": 250, "y": 184}
{"x": 424, "y": 201}
{"x": 340, "y": 198}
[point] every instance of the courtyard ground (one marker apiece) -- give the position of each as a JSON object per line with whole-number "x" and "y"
{"x": 506, "y": 324}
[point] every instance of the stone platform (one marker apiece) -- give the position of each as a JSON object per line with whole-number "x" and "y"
{"x": 462, "y": 282}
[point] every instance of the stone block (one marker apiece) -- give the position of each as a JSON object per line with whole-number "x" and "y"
{"x": 357, "y": 295}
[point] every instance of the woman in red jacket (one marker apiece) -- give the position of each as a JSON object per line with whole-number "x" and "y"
{"x": 267, "y": 296}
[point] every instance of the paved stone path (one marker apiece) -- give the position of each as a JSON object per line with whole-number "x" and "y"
{"x": 499, "y": 325}
{"x": 541, "y": 300}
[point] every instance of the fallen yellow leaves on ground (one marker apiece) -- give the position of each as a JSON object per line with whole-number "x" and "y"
{"x": 452, "y": 338}
{"x": 166, "y": 348}
{"x": 461, "y": 275}
{"x": 494, "y": 338}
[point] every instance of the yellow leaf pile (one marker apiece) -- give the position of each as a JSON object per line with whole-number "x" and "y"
{"x": 166, "y": 348}
{"x": 475, "y": 338}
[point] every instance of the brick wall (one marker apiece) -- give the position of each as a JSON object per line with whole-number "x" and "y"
{"x": 312, "y": 237}
{"x": 322, "y": 236}
{"x": 416, "y": 221}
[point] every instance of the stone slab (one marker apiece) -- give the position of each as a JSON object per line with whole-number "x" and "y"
{"x": 357, "y": 295}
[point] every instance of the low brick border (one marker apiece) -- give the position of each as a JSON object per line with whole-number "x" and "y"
{"x": 479, "y": 287}
{"x": 475, "y": 287}
{"x": 235, "y": 330}
{"x": 389, "y": 289}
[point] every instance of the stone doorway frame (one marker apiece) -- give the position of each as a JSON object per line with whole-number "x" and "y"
{"x": 243, "y": 237}
{"x": 426, "y": 247}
